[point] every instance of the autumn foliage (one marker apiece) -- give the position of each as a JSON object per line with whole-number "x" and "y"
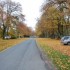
{"x": 23, "y": 30}
{"x": 12, "y": 20}
{"x": 54, "y": 21}
{"x": 56, "y": 45}
{"x": 59, "y": 54}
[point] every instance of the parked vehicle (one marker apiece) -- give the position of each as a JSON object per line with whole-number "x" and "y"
{"x": 7, "y": 37}
{"x": 65, "y": 40}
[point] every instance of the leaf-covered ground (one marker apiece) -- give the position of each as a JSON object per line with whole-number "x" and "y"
{"x": 58, "y": 53}
{"x": 9, "y": 43}
{"x": 56, "y": 45}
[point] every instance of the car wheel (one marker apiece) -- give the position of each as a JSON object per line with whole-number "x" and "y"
{"x": 68, "y": 43}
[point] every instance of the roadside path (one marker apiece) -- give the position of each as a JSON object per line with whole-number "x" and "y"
{"x": 24, "y": 56}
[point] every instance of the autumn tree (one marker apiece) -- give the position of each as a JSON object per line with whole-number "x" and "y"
{"x": 2, "y": 14}
{"x": 11, "y": 9}
{"x": 54, "y": 22}
{"x": 10, "y": 15}
{"x": 24, "y": 30}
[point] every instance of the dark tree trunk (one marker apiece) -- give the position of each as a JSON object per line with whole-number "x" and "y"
{"x": 4, "y": 31}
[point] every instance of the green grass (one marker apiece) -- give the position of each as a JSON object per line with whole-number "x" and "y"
{"x": 61, "y": 61}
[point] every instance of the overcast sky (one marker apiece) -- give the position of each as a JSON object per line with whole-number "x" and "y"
{"x": 31, "y": 9}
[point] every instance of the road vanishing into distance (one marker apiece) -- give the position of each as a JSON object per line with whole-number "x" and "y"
{"x": 24, "y": 56}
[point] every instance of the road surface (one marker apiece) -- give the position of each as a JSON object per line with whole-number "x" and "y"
{"x": 24, "y": 56}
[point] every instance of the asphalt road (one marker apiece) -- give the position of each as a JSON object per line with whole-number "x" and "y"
{"x": 24, "y": 56}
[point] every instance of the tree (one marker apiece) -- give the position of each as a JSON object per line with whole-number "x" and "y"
{"x": 53, "y": 22}
{"x": 24, "y": 30}
{"x": 2, "y": 5}
{"x": 11, "y": 7}
{"x": 10, "y": 15}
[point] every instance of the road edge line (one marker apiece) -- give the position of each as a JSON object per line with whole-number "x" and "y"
{"x": 45, "y": 58}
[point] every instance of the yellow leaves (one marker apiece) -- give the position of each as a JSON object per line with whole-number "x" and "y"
{"x": 69, "y": 60}
{"x": 56, "y": 45}
{"x": 57, "y": 52}
{"x": 9, "y": 43}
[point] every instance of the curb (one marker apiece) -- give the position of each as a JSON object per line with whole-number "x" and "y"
{"x": 48, "y": 63}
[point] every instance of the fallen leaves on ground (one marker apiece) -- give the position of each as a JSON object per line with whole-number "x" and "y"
{"x": 56, "y": 45}
{"x": 58, "y": 53}
{"x": 9, "y": 43}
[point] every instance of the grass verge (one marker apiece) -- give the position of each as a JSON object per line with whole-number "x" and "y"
{"x": 9, "y": 43}
{"x": 61, "y": 61}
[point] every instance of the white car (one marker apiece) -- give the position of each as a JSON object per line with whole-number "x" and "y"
{"x": 65, "y": 40}
{"x": 7, "y": 37}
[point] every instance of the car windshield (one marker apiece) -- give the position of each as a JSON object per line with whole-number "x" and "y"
{"x": 65, "y": 38}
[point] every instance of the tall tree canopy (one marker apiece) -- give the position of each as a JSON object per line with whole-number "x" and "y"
{"x": 12, "y": 19}
{"x": 55, "y": 20}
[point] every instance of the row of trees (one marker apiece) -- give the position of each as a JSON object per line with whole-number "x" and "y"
{"x": 55, "y": 19}
{"x": 12, "y": 20}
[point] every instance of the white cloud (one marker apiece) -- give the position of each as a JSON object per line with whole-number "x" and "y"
{"x": 31, "y": 9}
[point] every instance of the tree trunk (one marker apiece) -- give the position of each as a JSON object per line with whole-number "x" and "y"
{"x": 4, "y": 31}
